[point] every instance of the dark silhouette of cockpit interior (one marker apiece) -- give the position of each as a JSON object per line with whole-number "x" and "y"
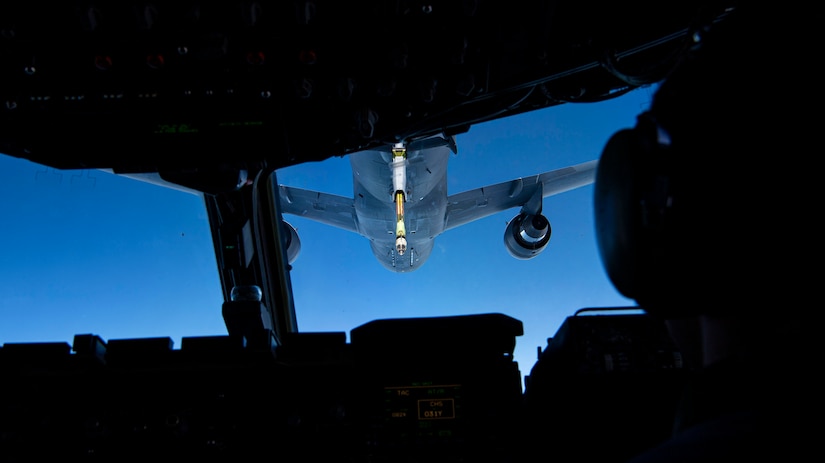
{"x": 169, "y": 88}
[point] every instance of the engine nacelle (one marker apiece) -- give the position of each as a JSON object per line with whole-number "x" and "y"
{"x": 527, "y": 235}
{"x": 292, "y": 242}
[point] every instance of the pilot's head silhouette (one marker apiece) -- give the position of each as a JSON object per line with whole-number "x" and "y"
{"x": 696, "y": 207}
{"x": 704, "y": 216}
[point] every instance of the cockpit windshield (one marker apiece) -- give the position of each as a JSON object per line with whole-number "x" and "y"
{"x": 91, "y": 252}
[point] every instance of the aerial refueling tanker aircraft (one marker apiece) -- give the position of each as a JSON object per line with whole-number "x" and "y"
{"x": 401, "y": 204}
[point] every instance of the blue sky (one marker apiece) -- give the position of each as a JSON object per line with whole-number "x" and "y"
{"x": 90, "y": 252}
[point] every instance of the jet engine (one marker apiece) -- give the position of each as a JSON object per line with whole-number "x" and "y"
{"x": 527, "y": 235}
{"x": 291, "y": 241}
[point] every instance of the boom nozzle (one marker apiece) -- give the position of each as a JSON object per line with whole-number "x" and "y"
{"x": 400, "y": 229}
{"x": 401, "y": 245}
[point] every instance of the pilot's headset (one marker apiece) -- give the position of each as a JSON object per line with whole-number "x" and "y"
{"x": 635, "y": 207}
{"x": 674, "y": 206}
